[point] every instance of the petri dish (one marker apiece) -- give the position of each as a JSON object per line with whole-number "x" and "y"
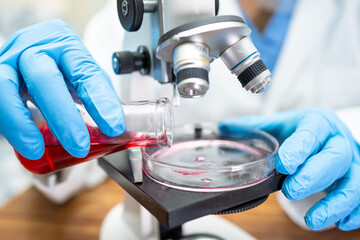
{"x": 201, "y": 159}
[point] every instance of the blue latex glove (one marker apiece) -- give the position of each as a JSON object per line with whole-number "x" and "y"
{"x": 317, "y": 152}
{"x": 44, "y": 58}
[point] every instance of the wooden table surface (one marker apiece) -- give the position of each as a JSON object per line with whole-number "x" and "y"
{"x": 32, "y": 216}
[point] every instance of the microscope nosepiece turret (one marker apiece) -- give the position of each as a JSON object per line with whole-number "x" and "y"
{"x": 185, "y": 37}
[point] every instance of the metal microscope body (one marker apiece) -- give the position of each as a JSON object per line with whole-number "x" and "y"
{"x": 186, "y": 36}
{"x": 176, "y": 42}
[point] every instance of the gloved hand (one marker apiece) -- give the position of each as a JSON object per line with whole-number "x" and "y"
{"x": 317, "y": 152}
{"x": 45, "y": 58}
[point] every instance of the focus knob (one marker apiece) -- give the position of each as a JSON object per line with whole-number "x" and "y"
{"x": 131, "y": 13}
{"x": 128, "y": 62}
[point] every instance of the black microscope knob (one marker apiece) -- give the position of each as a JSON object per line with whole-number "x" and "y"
{"x": 245, "y": 206}
{"x": 131, "y": 13}
{"x": 128, "y": 62}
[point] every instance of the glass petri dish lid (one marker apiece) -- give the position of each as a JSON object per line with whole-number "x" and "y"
{"x": 202, "y": 159}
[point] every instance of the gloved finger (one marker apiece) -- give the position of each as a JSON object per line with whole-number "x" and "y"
{"x": 46, "y": 85}
{"x": 40, "y": 34}
{"x": 94, "y": 88}
{"x": 350, "y": 222}
{"x": 280, "y": 125}
{"x": 321, "y": 170}
{"x": 310, "y": 135}
{"x": 338, "y": 204}
{"x": 15, "y": 122}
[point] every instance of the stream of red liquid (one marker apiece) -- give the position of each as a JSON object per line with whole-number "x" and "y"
{"x": 56, "y": 157}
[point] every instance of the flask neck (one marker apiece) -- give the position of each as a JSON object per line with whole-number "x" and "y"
{"x": 153, "y": 119}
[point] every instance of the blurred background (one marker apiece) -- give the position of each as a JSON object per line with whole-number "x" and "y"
{"x": 17, "y": 14}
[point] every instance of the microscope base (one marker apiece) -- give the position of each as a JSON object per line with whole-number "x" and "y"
{"x": 115, "y": 227}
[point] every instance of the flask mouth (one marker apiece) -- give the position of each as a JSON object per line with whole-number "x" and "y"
{"x": 164, "y": 122}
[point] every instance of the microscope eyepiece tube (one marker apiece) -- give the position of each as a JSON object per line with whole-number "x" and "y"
{"x": 191, "y": 68}
{"x": 243, "y": 59}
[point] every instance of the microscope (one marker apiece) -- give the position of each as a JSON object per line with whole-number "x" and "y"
{"x": 185, "y": 38}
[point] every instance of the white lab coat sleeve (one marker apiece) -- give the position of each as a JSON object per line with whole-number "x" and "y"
{"x": 61, "y": 186}
{"x": 296, "y": 210}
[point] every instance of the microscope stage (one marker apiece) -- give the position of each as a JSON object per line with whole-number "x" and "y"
{"x": 173, "y": 207}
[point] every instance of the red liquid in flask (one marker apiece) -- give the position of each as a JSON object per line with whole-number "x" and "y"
{"x": 56, "y": 157}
